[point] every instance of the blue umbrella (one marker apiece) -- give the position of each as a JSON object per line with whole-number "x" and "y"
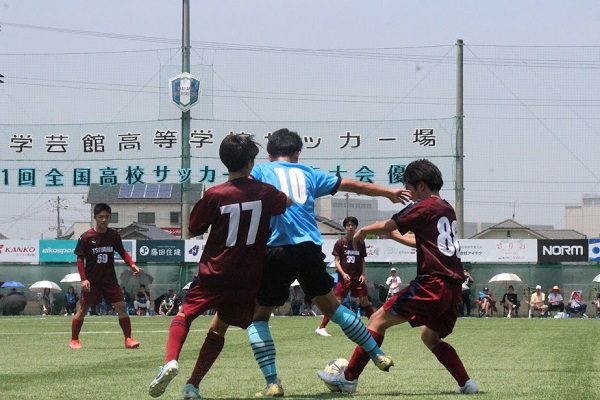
{"x": 11, "y": 284}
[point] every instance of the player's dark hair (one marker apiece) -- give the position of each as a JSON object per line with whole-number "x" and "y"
{"x": 348, "y": 220}
{"x": 237, "y": 150}
{"x": 425, "y": 171}
{"x": 98, "y": 208}
{"x": 284, "y": 142}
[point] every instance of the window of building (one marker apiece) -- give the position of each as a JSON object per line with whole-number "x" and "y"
{"x": 175, "y": 217}
{"x": 114, "y": 218}
{"x": 146, "y": 217}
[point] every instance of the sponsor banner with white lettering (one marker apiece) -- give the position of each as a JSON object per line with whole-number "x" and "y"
{"x": 499, "y": 250}
{"x": 551, "y": 251}
{"x": 160, "y": 250}
{"x": 19, "y": 251}
{"x": 594, "y": 249}
{"x": 382, "y": 250}
{"x": 58, "y": 250}
{"x": 193, "y": 250}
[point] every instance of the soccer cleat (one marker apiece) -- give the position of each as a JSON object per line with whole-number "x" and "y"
{"x": 322, "y": 332}
{"x": 469, "y": 388}
{"x": 339, "y": 381}
{"x": 75, "y": 344}
{"x": 383, "y": 362}
{"x": 165, "y": 376}
{"x": 272, "y": 390}
{"x": 131, "y": 343}
{"x": 190, "y": 392}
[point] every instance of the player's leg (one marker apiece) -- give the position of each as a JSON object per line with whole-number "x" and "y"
{"x": 362, "y": 293}
{"x": 77, "y": 324}
{"x": 366, "y": 305}
{"x": 125, "y": 323}
{"x": 347, "y": 380}
{"x": 340, "y": 294}
{"x": 353, "y": 328}
{"x": 88, "y": 300}
{"x": 448, "y": 357}
{"x": 197, "y": 301}
{"x": 178, "y": 331}
{"x": 209, "y": 352}
{"x": 274, "y": 289}
{"x": 263, "y": 348}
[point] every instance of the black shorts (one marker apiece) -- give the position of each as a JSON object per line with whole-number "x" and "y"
{"x": 284, "y": 264}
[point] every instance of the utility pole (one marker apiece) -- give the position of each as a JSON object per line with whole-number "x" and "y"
{"x": 58, "y": 206}
{"x": 460, "y": 187}
{"x": 186, "y": 202}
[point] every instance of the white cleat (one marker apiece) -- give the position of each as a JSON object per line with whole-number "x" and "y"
{"x": 165, "y": 376}
{"x": 322, "y": 332}
{"x": 339, "y": 381}
{"x": 469, "y": 388}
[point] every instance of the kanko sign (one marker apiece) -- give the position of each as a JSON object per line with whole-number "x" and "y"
{"x": 185, "y": 90}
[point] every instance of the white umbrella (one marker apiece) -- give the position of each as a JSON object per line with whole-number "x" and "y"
{"x": 505, "y": 277}
{"x": 142, "y": 278}
{"x": 41, "y": 285}
{"x": 596, "y": 279}
{"x": 69, "y": 278}
{"x": 295, "y": 283}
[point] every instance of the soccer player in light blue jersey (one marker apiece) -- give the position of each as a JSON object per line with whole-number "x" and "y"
{"x": 294, "y": 252}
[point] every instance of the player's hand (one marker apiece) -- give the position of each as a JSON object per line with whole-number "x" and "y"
{"x": 361, "y": 280}
{"x": 85, "y": 286}
{"x": 359, "y": 236}
{"x": 136, "y": 269}
{"x": 346, "y": 277}
{"x": 400, "y": 196}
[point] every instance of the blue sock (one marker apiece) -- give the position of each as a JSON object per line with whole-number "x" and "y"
{"x": 355, "y": 330}
{"x": 263, "y": 348}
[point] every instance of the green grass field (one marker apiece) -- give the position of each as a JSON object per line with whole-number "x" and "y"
{"x": 509, "y": 358}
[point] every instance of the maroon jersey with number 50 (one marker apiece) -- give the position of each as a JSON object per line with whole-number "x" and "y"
{"x": 433, "y": 221}
{"x": 238, "y": 213}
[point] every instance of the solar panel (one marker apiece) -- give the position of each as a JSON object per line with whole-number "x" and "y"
{"x": 165, "y": 190}
{"x": 125, "y": 191}
{"x": 138, "y": 191}
{"x": 146, "y": 191}
{"x": 151, "y": 191}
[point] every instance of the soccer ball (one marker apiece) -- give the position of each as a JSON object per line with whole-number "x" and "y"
{"x": 333, "y": 367}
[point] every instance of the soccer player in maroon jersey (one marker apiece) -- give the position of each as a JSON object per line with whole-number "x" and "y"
{"x": 238, "y": 213}
{"x": 431, "y": 299}
{"x": 350, "y": 265}
{"x": 95, "y": 252}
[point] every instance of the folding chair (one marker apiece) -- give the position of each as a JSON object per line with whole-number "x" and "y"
{"x": 575, "y": 308}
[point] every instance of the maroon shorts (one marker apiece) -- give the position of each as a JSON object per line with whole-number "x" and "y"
{"x": 428, "y": 300}
{"x": 112, "y": 294}
{"x": 233, "y": 307}
{"x": 354, "y": 288}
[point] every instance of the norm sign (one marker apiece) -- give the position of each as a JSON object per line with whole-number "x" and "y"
{"x": 185, "y": 90}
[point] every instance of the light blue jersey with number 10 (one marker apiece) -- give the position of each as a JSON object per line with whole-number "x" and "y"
{"x": 303, "y": 184}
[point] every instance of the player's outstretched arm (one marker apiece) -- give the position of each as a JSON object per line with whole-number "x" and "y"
{"x": 371, "y": 189}
{"x": 380, "y": 227}
{"x": 407, "y": 240}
